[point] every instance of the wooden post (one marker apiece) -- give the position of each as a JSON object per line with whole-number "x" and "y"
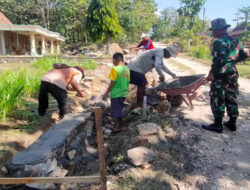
{"x": 44, "y": 180}
{"x": 102, "y": 164}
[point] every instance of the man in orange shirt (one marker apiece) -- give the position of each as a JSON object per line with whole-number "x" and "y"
{"x": 56, "y": 82}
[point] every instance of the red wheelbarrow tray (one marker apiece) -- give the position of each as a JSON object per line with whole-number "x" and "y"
{"x": 182, "y": 85}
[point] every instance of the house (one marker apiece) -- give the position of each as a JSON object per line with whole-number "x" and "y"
{"x": 238, "y": 30}
{"x": 27, "y": 39}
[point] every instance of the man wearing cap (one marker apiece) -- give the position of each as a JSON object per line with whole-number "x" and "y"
{"x": 145, "y": 44}
{"x": 223, "y": 75}
{"x": 56, "y": 82}
{"x": 145, "y": 62}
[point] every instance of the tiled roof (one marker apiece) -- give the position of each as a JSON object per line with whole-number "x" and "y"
{"x": 4, "y": 19}
{"x": 240, "y": 27}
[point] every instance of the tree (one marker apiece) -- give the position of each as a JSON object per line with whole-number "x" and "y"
{"x": 243, "y": 14}
{"x": 191, "y": 9}
{"x": 68, "y": 17}
{"x": 165, "y": 23}
{"x": 102, "y": 21}
{"x": 136, "y": 17}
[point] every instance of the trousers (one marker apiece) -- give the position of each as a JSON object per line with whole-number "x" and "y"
{"x": 223, "y": 95}
{"x": 58, "y": 93}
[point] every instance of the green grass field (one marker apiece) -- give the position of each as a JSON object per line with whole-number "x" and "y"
{"x": 244, "y": 70}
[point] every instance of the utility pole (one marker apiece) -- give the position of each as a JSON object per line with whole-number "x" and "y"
{"x": 203, "y": 24}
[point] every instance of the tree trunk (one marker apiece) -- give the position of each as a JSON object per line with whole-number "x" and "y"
{"x": 108, "y": 37}
{"x": 48, "y": 7}
{"x": 86, "y": 38}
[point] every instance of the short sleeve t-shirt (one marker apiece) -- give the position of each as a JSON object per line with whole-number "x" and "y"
{"x": 121, "y": 76}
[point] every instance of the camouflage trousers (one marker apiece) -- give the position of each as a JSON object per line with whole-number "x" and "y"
{"x": 223, "y": 95}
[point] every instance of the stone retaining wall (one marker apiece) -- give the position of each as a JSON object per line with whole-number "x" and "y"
{"x": 64, "y": 147}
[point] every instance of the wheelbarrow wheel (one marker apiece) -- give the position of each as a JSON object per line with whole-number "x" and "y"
{"x": 175, "y": 100}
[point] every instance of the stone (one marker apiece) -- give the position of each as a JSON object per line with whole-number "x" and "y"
{"x": 108, "y": 126}
{"x": 125, "y": 51}
{"x": 114, "y": 48}
{"x": 41, "y": 169}
{"x": 147, "y": 129}
{"x": 107, "y": 131}
{"x": 105, "y": 136}
{"x": 110, "y": 119}
{"x": 4, "y": 170}
{"x": 91, "y": 150}
{"x": 89, "y": 127}
{"x": 58, "y": 172}
{"x": 39, "y": 186}
{"x": 140, "y": 155}
{"x": 88, "y": 78}
{"x": 71, "y": 154}
{"x": 146, "y": 166}
{"x": 78, "y": 109}
{"x": 163, "y": 107}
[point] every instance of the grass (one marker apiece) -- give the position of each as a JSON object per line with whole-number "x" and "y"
{"x": 25, "y": 81}
{"x": 244, "y": 70}
{"x": 243, "y": 67}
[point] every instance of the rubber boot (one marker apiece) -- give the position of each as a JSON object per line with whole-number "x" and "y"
{"x": 231, "y": 124}
{"x": 216, "y": 126}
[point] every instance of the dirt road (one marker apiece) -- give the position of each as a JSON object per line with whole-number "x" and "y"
{"x": 212, "y": 161}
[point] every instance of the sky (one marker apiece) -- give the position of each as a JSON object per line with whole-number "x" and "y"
{"x": 213, "y": 8}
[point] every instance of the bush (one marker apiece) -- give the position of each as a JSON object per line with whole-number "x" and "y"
{"x": 184, "y": 45}
{"x": 200, "y": 51}
{"x": 12, "y": 90}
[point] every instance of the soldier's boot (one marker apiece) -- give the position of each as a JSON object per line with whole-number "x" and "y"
{"x": 216, "y": 126}
{"x": 231, "y": 124}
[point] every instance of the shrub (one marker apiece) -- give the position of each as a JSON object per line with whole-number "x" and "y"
{"x": 12, "y": 90}
{"x": 200, "y": 51}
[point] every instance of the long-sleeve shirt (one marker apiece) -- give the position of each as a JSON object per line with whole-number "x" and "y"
{"x": 147, "y": 44}
{"x": 148, "y": 60}
{"x": 225, "y": 55}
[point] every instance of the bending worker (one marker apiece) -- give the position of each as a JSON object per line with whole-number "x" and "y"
{"x": 56, "y": 82}
{"x": 145, "y": 62}
{"x": 145, "y": 44}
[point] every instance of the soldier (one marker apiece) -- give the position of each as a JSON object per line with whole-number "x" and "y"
{"x": 223, "y": 75}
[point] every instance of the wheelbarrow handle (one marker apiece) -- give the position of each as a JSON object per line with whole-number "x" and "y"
{"x": 205, "y": 81}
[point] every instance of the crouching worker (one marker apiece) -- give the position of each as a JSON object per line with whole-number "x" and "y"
{"x": 56, "y": 82}
{"x": 118, "y": 89}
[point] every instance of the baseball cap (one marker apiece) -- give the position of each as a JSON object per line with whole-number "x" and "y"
{"x": 173, "y": 50}
{"x": 143, "y": 35}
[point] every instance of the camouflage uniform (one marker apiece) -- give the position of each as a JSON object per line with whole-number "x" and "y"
{"x": 224, "y": 87}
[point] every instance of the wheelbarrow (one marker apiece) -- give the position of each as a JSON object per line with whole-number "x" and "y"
{"x": 175, "y": 88}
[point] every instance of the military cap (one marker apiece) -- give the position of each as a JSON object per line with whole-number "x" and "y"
{"x": 219, "y": 23}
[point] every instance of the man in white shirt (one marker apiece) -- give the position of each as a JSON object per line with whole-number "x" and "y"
{"x": 145, "y": 62}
